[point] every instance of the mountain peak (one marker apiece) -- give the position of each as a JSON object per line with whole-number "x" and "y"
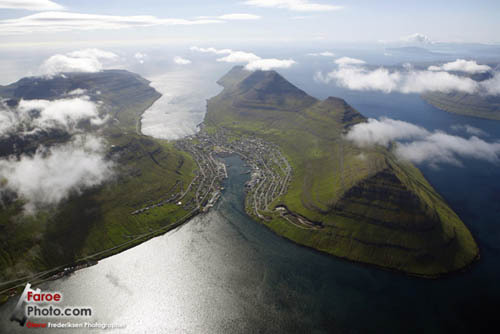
{"x": 264, "y": 80}
{"x": 233, "y": 77}
{"x": 266, "y": 90}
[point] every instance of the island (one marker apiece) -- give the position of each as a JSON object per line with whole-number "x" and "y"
{"x": 474, "y": 105}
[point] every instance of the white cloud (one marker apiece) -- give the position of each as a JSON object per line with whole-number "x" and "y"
{"x": 469, "y": 129}
{"x": 441, "y": 147}
{"x": 87, "y": 60}
{"x": 350, "y": 75}
{"x": 383, "y": 131}
{"x": 63, "y": 63}
{"x": 349, "y": 61}
{"x": 423, "y": 81}
{"x": 322, "y": 54}
{"x": 181, "y": 61}
{"x": 78, "y": 91}
{"x": 418, "y": 145}
{"x": 269, "y": 63}
{"x": 253, "y": 62}
{"x": 295, "y": 5}
{"x": 9, "y": 120}
{"x": 417, "y": 38}
{"x": 36, "y": 5}
{"x": 53, "y": 174}
{"x": 461, "y": 65}
{"x": 492, "y": 86}
{"x": 239, "y": 57}
{"x": 356, "y": 78}
{"x": 66, "y": 21}
{"x": 64, "y": 114}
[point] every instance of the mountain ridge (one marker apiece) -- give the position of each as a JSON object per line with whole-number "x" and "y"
{"x": 364, "y": 197}
{"x": 96, "y": 220}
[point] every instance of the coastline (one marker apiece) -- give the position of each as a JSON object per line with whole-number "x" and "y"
{"x": 446, "y": 275}
{"x": 93, "y": 259}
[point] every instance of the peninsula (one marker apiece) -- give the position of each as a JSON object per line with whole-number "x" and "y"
{"x": 314, "y": 187}
{"x": 474, "y": 105}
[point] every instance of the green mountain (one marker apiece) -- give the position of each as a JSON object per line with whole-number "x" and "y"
{"x": 475, "y": 105}
{"x": 371, "y": 207}
{"x": 146, "y": 171}
{"x": 126, "y": 94}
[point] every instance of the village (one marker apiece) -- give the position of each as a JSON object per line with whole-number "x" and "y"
{"x": 269, "y": 169}
{"x": 270, "y": 175}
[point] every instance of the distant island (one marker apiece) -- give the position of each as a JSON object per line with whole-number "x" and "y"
{"x": 413, "y": 50}
{"x": 474, "y": 105}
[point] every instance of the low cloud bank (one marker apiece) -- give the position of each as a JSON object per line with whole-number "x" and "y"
{"x": 440, "y": 147}
{"x": 53, "y": 174}
{"x": 87, "y": 60}
{"x": 253, "y": 62}
{"x": 383, "y": 131}
{"x": 352, "y": 73}
{"x": 32, "y": 116}
{"x": 469, "y": 129}
{"x": 418, "y": 145}
{"x": 461, "y": 65}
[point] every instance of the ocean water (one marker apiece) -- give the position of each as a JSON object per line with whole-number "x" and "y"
{"x": 181, "y": 107}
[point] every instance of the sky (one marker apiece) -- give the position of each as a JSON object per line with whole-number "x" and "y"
{"x": 63, "y": 22}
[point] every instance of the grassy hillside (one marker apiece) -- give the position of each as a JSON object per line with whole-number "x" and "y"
{"x": 475, "y": 105}
{"x": 374, "y": 208}
{"x": 146, "y": 171}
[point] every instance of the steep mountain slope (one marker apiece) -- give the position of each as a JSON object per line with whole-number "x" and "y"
{"x": 373, "y": 208}
{"x": 145, "y": 171}
{"x": 475, "y": 105}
